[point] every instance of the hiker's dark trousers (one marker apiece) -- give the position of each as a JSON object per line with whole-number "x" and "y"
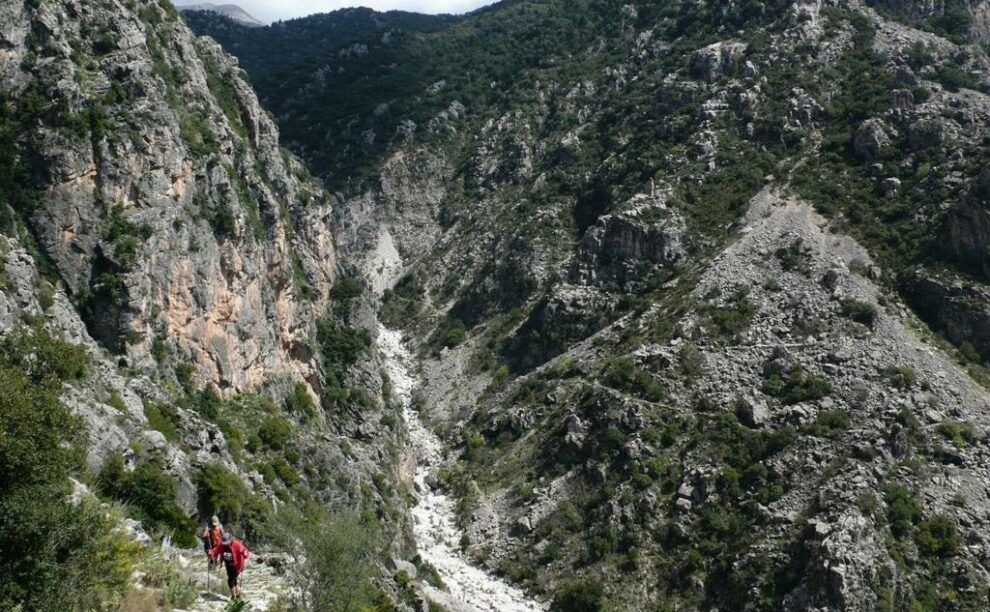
{"x": 231, "y": 576}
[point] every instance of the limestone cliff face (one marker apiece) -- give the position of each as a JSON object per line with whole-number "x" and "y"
{"x": 181, "y": 230}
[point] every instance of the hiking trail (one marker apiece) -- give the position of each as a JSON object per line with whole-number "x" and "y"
{"x": 261, "y": 582}
{"x": 468, "y": 588}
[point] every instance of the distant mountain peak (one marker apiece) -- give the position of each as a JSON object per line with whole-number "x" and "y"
{"x": 231, "y": 11}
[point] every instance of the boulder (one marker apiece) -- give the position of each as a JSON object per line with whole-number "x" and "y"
{"x": 871, "y": 140}
{"x": 753, "y": 412}
{"x": 925, "y": 134}
{"x": 400, "y": 565}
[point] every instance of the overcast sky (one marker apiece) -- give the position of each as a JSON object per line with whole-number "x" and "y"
{"x": 273, "y": 10}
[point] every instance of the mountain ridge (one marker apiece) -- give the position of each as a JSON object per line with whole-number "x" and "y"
{"x": 230, "y": 11}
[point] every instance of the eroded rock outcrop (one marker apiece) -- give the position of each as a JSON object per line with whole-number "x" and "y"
{"x": 168, "y": 209}
{"x": 965, "y": 235}
{"x": 627, "y": 246}
{"x": 956, "y": 307}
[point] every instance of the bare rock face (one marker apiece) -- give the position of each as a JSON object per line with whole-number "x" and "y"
{"x": 955, "y": 307}
{"x": 625, "y": 247}
{"x": 715, "y": 61}
{"x": 111, "y": 404}
{"x": 965, "y": 236}
{"x": 168, "y": 209}
{"x": 568, "y": 314}
{"x": 925, "y": 134}
{"x": 871, "y": 139}
{"x": 167, "y": 234}
{"x": 852, "y": 559}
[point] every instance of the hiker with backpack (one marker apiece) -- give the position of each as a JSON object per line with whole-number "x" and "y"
{"x": 212, "y": 536}
{"x": 233, "y": 554}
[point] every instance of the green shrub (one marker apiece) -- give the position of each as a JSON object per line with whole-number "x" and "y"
{"x": 427, "y": 572}
{"x": 158, "y": 349}
{"x": 222, "y": 220}
{"x": 56, "y": 555}
{"x": 343, "y": 294}
{"x": 799, "y": 386}
{"x": 267, "y": 471}
{"x": 957, "y": 432}
{"x": 401, "y": 304}
{"x": 522, "y": 489}
{"x": 901, "y": 377}
{"x": 43, "y": 357}
{"x": 150, "y": 493}
{"x": 45, "y": 292}
{"x": 286, "y": 473}
{"x": 177, "y": 590}
{"x": 292, "y": 455}
{"x": 859, "y": 311}
{"x": 339, "y": 552}
{"x": 299, "y": 402}
{"x": 62, "y": 556}
{"x": 830, "y": 423}
{"x": 969, "y": 353}
{"x": 579, "y": 596}
{"x": 734, "y": 318}
{"x": 954, "y": 77}
{"x": 622, "y": 374}
{"x": 206, "y": 402}
{"x": 903, "y": 511}
{"x": 222, "y": 88}
{"x": 690, "y": 360}
{"x": 275, "y": 432}
{"x": 116, "y": 401}
{"x": 184, "y": 374}
{"x": 223, "y": 493}
{"x": 125, "y": 236}
{"x": 339, "y": 348}
{"x": 937, "y": 537}
{"x": 452, "y": 333}
{"x": 163, "y": 418}
{"x": 236, "y": 605}
{"x": 474, "y": 445}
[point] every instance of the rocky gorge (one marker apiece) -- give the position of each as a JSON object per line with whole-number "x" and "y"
{"x": 677, "y": 305}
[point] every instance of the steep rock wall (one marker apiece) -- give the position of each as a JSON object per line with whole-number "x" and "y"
{"x": 182, "y": 231}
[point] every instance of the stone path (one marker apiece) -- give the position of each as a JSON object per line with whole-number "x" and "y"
{"x": 261, "y": 582}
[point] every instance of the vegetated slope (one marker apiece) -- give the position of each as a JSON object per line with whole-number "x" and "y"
{"x": 269, "y": 51}
{"x": 170, "y": 307}
{"x": 689, "y": 425}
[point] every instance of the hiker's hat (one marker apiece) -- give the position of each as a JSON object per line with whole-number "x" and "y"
{"x": 214, "y": 520}
{"x": 227, "y": 538}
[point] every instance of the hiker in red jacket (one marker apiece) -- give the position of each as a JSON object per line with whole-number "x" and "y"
{"x": 233, "y": 555}
{"x": 212, "y": 536}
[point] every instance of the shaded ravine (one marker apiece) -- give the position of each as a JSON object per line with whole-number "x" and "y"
{"x": 469, "y": 589}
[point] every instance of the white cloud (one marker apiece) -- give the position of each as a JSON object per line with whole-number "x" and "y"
{"x": 268, "y": 10}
